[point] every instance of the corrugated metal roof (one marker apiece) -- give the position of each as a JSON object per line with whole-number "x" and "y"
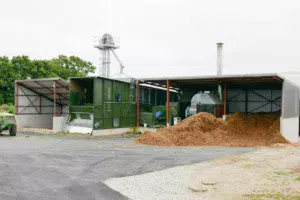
{"x": 257, "y": 80}
{"x": 210, "y": 77}
{"x": 44, "y": 87}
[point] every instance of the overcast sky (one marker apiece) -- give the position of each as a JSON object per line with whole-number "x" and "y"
{"x": 159, "y": 37}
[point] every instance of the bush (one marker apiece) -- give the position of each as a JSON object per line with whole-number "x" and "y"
{"x": 4, "y": 107}
{"x": 11, "y": 109}
{"x": 7, "y": 108}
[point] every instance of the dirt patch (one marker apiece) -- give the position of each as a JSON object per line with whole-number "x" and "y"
{"x": 267, "y": 173}
{"x": 297, "y": 171}
{"x": 204, "y": 129}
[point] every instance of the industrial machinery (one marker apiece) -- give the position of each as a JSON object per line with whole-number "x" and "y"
{"x": 98, "y": 103}
{"x": 8, "y": 122}
{"x": 159, "y": 115}
{"x": 205, "y": 102}
{"x": 107, "y": 44}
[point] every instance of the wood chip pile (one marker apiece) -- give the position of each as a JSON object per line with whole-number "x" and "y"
{"x": 204, "y": 129}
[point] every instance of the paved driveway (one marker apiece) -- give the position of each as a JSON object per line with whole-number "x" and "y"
{"x": 37, "y": 166}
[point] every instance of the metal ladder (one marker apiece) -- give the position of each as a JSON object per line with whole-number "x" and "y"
{"x": 131, "y": 97}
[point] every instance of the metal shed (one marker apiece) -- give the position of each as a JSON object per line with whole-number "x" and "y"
{"x": 38, "y": 100}
{"x": 249, "y": 93}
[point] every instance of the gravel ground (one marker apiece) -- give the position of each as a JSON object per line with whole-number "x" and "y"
{"x": 46, "y": 166}
{"x": 268, "y": 173}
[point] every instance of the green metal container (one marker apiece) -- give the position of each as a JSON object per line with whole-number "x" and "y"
{"x": 112, "y": 102}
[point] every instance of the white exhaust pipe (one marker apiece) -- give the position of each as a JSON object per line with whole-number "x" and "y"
{"x": 219, "y": 58}
{"x": 219, "y": 65}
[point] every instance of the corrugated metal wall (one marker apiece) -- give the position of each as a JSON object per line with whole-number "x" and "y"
{"x": 253, "y": 101}
{"x": 30, "y": 102}
{"x": 290, "y": 100}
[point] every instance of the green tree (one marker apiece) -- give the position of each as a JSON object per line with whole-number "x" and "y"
{"x": 72, "y": 66}
{"x": 7, "y": 77}
{"x": 21, "y": 67}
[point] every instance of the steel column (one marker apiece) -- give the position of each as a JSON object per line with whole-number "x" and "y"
{"x": 168, "y": 103}
{"x": 138, "y": 104}
{"x": 17, "y": 98}
{"x": 54, "y": 98}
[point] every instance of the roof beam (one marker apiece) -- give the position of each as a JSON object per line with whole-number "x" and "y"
{"x": 41, "y": 94}
{"x": 49, "y": 89}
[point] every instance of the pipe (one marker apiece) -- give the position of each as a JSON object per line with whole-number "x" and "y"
{"x": 118, "y": 59}
{"x": 219, "y": 58}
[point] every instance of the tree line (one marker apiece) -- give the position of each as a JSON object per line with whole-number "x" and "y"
{"x": 22, "y": 67}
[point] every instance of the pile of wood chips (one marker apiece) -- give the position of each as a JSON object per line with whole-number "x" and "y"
{"x": 204, "y": 129}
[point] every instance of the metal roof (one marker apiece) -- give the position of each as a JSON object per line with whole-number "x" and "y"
{"x": 211, "y": 76}
{"x": 208, "y": 81}
{"x": 45, "y": 87}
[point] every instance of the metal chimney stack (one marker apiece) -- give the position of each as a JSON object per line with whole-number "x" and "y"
{"x": 219, "y": 58}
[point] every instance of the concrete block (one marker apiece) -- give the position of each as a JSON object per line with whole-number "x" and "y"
{"x": 289, "y": 127}
{"x": 114, "y": 131}
{"x": 59, "y": 124}
{"x": 34, "y": 121}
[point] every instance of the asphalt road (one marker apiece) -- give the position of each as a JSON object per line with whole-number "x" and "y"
{"x": 39, "y": 166}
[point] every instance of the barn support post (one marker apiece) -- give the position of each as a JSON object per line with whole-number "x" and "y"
{"x": 54, "y": 98}
{"x": 17, "y": 98}
{"x": 138, "y": 104}
{"x": 168, "y": 103}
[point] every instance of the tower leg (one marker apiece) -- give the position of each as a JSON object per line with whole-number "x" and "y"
{"x": 108, "y": 63}
{"x": 104, "y": 63}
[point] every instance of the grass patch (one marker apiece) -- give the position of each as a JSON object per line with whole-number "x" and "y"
{"x": 195, "y": 190}
{"x": 275, "y": 196}
{"x": 281, "y": 173}
{"x": 297, "y": 179}
{"x": 247, "y": 166}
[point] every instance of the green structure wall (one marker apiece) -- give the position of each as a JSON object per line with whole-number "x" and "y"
{"x": 106, "y": 107}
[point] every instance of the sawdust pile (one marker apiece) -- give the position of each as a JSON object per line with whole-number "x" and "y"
{"x": 204, "y": 129}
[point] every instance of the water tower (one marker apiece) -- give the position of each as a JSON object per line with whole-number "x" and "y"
{"x": 107, "y": 44}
